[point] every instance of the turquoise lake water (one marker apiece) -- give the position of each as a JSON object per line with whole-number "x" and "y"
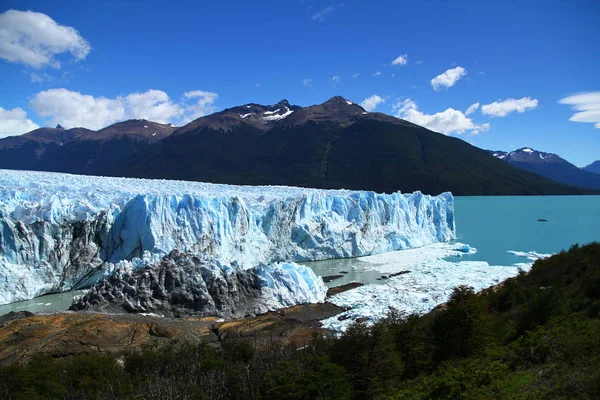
{"x": 493, "y": 225}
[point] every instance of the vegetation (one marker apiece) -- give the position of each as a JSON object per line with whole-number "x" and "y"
{"x": 535, "y": 337}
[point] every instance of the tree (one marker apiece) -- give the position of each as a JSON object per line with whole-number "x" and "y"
{"x": 463, "y": 327}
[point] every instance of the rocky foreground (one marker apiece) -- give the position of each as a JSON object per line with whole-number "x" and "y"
{"x": 24, "y": 335}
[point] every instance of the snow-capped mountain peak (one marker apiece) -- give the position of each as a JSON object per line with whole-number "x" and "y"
{"x": 549, "y": 165}
{"x": 526, "y": 154}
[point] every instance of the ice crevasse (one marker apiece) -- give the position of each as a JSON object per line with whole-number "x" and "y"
{"x": 59, "y": 231}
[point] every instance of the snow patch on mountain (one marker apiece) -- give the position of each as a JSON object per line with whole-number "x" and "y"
{"x": 277, "y": 117}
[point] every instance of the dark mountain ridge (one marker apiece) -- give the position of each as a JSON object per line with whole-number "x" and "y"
{"x": 549, "y": 165}
{"x": 593, "y": 167}
{"x": 337, "y": 144}
{"x": 80, "y": 150}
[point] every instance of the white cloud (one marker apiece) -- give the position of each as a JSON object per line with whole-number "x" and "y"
{"x": 73, "y": 109}
{"x": 15, "y": 122}
{"x": 35, "y": 39}
{"x": 320, "y": 16}
{"x": 355, "y": 75}
{"x": 153, "y": 105}
{"x": 336, "y": 80}
{"x": 448, "y": 78}
{"x": 587, "y": 105}
{"x": 502, "y": 108}
{"x": 371, "y": 102}
{"x": 447, "y": 122}
{"x": 472, "y": 108}
{"x": 203, "y": 106}
{"x": 401, "y": 60}
{"x": 307, "y": 82}
{"x": 378, "y": 73}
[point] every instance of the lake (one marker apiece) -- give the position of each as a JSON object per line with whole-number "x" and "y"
{"x": 496, "y": 224}
{"x": 492, "y": 225}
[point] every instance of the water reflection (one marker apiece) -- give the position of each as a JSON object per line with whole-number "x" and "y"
{"x": 50, "y": 302}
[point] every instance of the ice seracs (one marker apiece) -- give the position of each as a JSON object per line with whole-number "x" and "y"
{"x": 61, "y": 231}
{"x": 184, "y": 284}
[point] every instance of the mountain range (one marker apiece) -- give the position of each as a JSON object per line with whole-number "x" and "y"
{"x": 593, "y": 167}
{"x": 551, "y": 166}
{"x": 336, "y": 144}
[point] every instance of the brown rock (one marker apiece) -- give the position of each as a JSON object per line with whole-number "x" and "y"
{"x": 66, "y": 334}
{"x": 24, "y": 335}
{"x": 343, "y": 288}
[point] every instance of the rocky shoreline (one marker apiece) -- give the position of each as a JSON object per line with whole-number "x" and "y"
{"x": 24, "y": 335}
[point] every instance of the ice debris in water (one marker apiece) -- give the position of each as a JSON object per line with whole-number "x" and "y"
{"x": 430, "y": 282}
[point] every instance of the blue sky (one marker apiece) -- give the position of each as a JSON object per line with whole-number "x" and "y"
{"x": 94, "y": 63}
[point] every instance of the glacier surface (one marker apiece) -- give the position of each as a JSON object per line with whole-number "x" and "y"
{"x": 60, "y": 232}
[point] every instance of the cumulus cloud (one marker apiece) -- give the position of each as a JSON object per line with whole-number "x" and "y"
{"x": 154, "y": 105}
{"x": 378, "y": 73}
{"x": 401, "y": 60}
{"x": 587, "y": 106}
{"x": 447, "y": 122}
{"x": 336, "y": 80}
{"x": 320, "y": 15}
{"x": 15, "y": 122}
{"x": 355, "y": 75}
{"x": 371, "y": 102}
{"x": 204, "y": 104}
{"x": 472, "y": 108}
{"x": 73, "y": 109}
{"x": 448, "y": 78}
{"x": 307, "y": 82}
{"x": 35, "y": 39}
{"x": 502, "y": 108}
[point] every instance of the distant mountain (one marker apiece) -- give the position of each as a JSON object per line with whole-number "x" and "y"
{"x": 593, "y": 167}
{"x": 337, "y": 144}
{"x": 80, "y": 150}
{"x": 550, "y": 166}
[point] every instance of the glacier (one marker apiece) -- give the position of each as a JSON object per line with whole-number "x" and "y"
{"x": 184, "y": 284}
{"x": 60, "y": 232}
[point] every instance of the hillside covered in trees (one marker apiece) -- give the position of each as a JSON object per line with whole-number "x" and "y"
{"x": 533, "y": 337}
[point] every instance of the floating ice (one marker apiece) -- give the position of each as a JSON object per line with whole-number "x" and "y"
{"x": 530, "y": 255}
{"x": 429, "y": 283}
{"x": 61, "y": 231}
